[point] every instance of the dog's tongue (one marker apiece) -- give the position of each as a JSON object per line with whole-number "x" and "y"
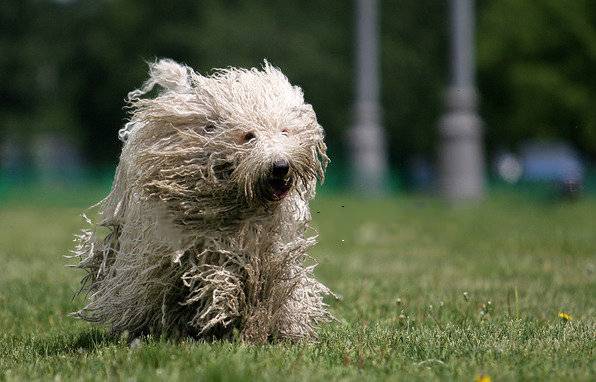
{"x": 279, "y": 188}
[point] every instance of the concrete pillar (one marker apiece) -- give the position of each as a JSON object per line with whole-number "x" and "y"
{"x": 461, "y": 158}
{"x": 366, "y": 138}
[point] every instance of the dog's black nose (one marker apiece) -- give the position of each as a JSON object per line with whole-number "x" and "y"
{"x": 280, "y": 168}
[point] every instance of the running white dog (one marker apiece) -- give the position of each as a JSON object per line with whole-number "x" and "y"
{"x": 208, "y": 215}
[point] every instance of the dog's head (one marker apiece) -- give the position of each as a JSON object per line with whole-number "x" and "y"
{"x": 237, "y": 137}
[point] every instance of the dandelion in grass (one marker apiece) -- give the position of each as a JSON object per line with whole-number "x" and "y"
{"x": 483, "y": 378}
{"x": 565, "y": 316}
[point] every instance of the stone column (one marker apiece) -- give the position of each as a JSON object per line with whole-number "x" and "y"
{"x": 368, "y": 153}
{"x": 461, "y": 159}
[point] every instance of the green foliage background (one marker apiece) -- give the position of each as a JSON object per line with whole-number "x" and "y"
{"x": 67, "y": 65}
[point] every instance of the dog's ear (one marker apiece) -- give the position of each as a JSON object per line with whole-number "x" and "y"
{"x": 169, "y": 75}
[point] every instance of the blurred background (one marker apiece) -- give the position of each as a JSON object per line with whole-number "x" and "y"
{"x": 67, "y": 65}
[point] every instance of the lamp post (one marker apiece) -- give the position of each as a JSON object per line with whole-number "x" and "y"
{"x": 461, "y": 160}
{"x": 366, "y": 137}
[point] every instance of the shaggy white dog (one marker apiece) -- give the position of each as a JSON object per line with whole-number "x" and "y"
{"x": 206, "y": 223}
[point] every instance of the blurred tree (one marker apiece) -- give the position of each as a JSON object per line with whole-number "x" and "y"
{"x": 537, "y": 71}
{"x": 67, "y": 65}
{"x": 414, "y": 63}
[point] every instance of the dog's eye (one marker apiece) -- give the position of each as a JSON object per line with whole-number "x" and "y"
{"x": 209, "y": 128}
{"x": 250, "y": 136}
{"x": 285, "y": 132}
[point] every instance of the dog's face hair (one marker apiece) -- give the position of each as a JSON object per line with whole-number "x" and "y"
{"x": 230, "y": 142}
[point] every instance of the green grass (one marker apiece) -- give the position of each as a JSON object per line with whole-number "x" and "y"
{"x": 402, "y": 267}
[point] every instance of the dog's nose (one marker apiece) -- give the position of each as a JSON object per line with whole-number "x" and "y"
{"x": 280, "y": 168}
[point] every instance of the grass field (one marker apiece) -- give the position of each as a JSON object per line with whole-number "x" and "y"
{"x": 429, "y": 292}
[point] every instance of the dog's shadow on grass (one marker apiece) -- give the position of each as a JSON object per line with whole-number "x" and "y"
{"x": 92, "y": 340}
{"x": 85, "y": 342}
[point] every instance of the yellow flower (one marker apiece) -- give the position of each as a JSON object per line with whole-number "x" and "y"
{"x": 483, "y": 378}
{"x": 565, "y": 316}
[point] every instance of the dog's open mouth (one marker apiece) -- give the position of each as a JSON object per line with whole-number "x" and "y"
{"x": 279, "y": 187}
